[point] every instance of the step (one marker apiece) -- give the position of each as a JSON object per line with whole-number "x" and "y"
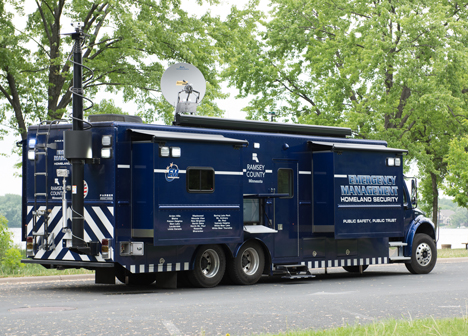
{"x": 299, "y": 276}
{"x": 396, "y": 244}
{"x": 43, "y": 173}
{"x": 399, "y": 258}
{"x": 40, "y": 194}
{"x": 291, "y": 266}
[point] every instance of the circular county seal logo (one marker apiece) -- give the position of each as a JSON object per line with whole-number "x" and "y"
{"x": 172, "y": 172}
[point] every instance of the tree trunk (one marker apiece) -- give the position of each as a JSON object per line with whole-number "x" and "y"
{"x": 435, "y": 199}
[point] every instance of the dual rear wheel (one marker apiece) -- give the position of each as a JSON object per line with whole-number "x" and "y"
{"x": 211, "y": 264}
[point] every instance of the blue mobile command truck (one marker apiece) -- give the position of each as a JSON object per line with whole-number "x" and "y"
{"x": 208, "y": 198}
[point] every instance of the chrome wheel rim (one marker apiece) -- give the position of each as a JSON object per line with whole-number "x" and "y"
{"x": 209, "y": 263}
{"x": 423, "y": 254}
{"x": 250, "y": 261}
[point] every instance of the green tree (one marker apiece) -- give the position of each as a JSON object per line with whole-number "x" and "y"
{"x": 6, "y": 241}
{"x": 457, "y": 178}
{"x": 460, "y": 217}
{"x": 389, "y": 70}
{"x": 129, "y": 45}
{"x": 10, "y": 207}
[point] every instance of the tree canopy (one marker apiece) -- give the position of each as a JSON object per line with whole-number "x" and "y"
{"x": 129, "y": 45}
{"x": 389, "y": 70}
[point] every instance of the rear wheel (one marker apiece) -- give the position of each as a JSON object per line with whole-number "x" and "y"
{"x": 355, "y": 269}
{"x": 424, "y": 256}
{"x": 247, "y": 267}
{"x": 210, "y": 264}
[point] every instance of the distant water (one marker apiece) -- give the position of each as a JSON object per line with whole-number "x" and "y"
{"x": 455, "y": 237}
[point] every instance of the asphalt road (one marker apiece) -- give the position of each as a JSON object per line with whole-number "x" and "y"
{"x": 79, "y": 307}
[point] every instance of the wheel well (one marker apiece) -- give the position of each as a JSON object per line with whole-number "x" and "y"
{"x": 427, "y": 229}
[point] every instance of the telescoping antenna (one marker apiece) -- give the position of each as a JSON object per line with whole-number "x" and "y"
{"x": 183, "y": 86}
{"x": 77, "y": 144}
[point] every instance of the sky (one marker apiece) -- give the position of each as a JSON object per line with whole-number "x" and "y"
{"x": 9, "y": 184}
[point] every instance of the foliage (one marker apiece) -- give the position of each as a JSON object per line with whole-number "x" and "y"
{"x": 10, "y": 207}
{"x": 389, "y": 70}
{"x": 128, "y": 47}
{"x": 457, "y": 178}
{"x": 460, "y": 217}
{"x": 6, "y": 241}
{"x": 427, "y": 326}
{"x": 11, "y": 261}
{"x": 447, "y": 204}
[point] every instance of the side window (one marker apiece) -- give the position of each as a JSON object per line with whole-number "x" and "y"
{"x": 286, "y": 182}
{"x": 200, "y": 180}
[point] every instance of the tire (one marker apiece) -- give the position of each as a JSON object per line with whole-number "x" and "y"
{"x": 355, "y": 269}
{"x": 247, "y": 267}
{"x": 210, "y": 264}
{"x": 424, "y": 255}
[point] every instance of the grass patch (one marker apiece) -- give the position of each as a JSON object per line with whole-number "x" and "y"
{"x": 430, "y": 326}
{"x": 30, "y": 270}
{"x": 452, "y": 253}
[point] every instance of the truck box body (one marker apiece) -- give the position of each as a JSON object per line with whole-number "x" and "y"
{"x": 308, "y": 196}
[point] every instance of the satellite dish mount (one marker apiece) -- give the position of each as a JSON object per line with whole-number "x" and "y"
{"x": 186, "y": 100}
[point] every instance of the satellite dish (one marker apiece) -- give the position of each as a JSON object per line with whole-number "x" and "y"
{"x": 183, "y": 82}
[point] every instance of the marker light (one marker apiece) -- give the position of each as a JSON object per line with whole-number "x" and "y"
{"x": 32, "y": 143}
{"x": 106, "y": 153}
{"x": 164, "y": 151}
{"x": 175, "y": 151}
{"x": 390, "y": 162}
{"x": 105, "y": 244}
{"x": 31, "y": 155}
{"x": 106, "y": 140}
{"x": 397, "y": 162}
{"x": 29, "y": 246}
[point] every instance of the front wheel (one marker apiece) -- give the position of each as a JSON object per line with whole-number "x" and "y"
{"x": 209, "y": 267}
{"x": 247, "y": 267}
{"x": 424, "y": 256}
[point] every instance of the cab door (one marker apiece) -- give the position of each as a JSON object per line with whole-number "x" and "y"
{"x": 286, "y": 210}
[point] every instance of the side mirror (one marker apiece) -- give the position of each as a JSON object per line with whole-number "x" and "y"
{"x": 414, "y": 192}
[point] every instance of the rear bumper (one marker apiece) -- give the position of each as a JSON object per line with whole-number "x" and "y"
{"x": 69, "y": 264}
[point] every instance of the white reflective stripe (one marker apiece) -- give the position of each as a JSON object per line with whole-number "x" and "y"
{"x": 93, "y": 226}
{"x": 385, "y": 260}
{"x": 160, "y": 268}
{"x": 39, "y": 254}
{"x": 132, "y": 268}
{"x": 151, "y": 268}
{"x": 104, "y": 220}
{"x": 309, "y": 264}
{"x": 268, "y": 171}
{"x": 169, "y": 267}
{"x": 367, "y": 261}
{"x": 305, "y": 173}
{"x": 228, "y": 173}
{"x": 177, "y": 267}
{"x": 340, "y": 176}
{"x": 349, "y": 262}
{"x": 123, "y": 166}
{"x": 186, "y": 266}
{"x": 68, "y": 256}
{"x": 323, "y": 264}
{"x": 111, "y": 210}
{"x": 142, "y": 268}
{"x": 31, "y": 222}
{"x": 244, "y": 170}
